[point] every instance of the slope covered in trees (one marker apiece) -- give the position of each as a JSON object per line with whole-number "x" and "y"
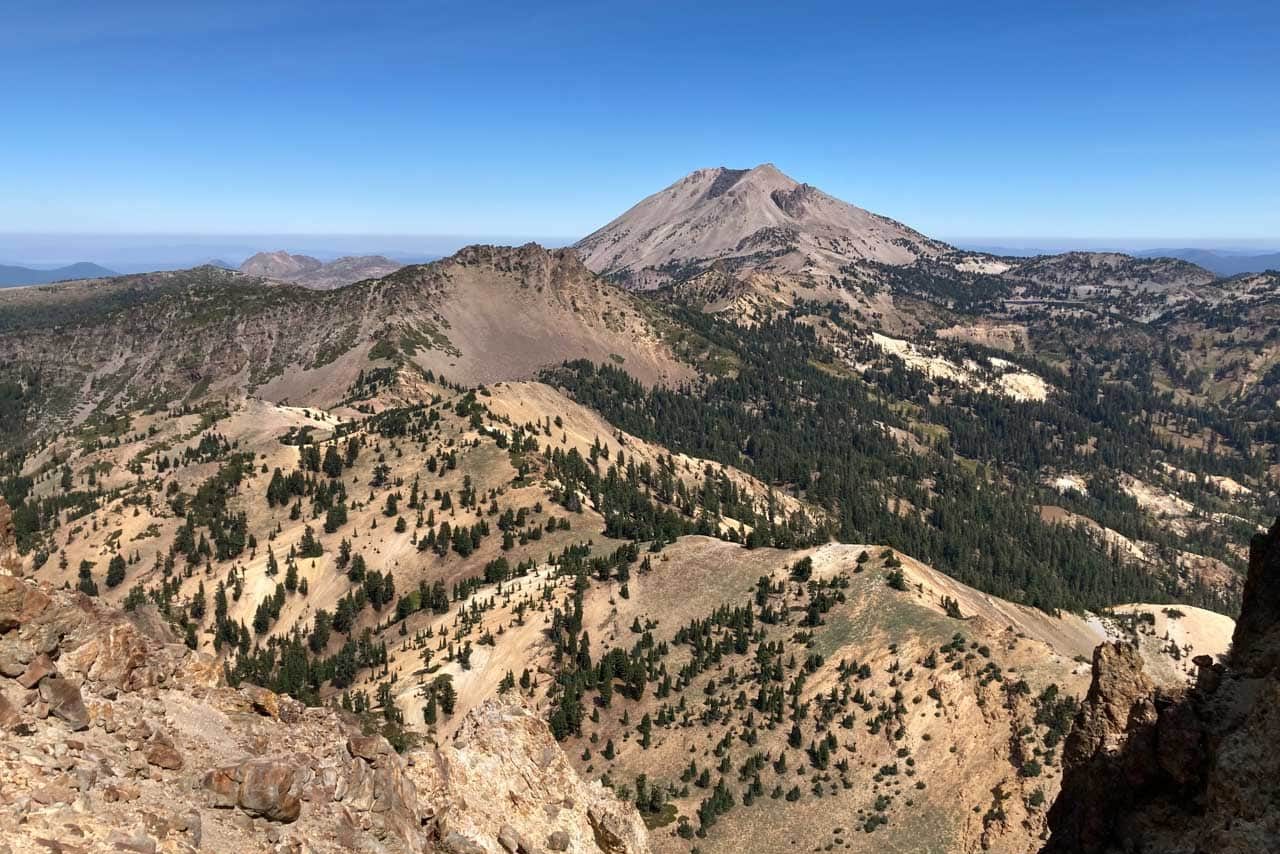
{"x": 968, "y": 505}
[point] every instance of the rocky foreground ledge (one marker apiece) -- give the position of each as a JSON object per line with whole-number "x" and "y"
{"x": 1187, "y": 771}
{"x": 115, "y": 737}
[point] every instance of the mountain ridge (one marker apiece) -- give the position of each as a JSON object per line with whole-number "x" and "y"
{"x": 1221, "y": 263}
{"x": 484, "y": 314}
{"x": 313, "y": 273}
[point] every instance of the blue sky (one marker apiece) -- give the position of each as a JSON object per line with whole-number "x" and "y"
{"x": 1155, "y": 121}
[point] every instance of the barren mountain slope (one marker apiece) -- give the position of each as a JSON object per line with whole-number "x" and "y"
{"x": 757, "y": 218}
{"x": 279, "y": 265}
{"x": 507, "y": 312}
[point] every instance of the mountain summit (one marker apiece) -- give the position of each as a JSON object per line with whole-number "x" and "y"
{"x": 747, "y": 218}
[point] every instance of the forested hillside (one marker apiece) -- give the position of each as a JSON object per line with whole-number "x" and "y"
{"x": 965, "y": 499}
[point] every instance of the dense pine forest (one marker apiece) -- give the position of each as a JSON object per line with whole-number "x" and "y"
{"x": 967, "y": 506}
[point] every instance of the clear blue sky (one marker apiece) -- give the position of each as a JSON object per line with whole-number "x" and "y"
{"x": 1155, "y": 120}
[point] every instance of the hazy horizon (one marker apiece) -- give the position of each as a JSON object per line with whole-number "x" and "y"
{"x": 139, "y": 252}
{"x": 133, "y": 252}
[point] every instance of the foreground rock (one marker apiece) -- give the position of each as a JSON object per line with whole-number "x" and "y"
{"x": 505, "y": 786}
{"x": 118, "y": 738}
{"x": 10, "y": 560}
{"x": 1182, "y": 771}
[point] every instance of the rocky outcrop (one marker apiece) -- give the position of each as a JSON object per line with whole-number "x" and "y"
{"x": 1255, "y": 646}
{"x": 503, "y": 786}
{"x": 117, "y": 738}
{"x": 261, "y": 787}
{"x": 10, "y": 560}
{"x": 1189, "y": 771}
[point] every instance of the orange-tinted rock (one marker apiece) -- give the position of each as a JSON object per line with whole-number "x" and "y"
{"x": 164, "y": 755}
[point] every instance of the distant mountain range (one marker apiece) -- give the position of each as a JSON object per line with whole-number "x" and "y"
{"x": 1220, "y": 262}
{"x": 314, "y": 273}
{"x": 11, "y": 275}
{"x": 1223, "y": 262}
{"x": 281, "y": 266}
{"x": 126, "y": 253}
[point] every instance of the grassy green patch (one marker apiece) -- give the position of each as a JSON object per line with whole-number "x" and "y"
{"x": 655, "y": 820}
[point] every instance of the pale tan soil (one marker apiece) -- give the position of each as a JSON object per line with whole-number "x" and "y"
{"x": 983, "y": 265}
{"x": 1003, "y": 336}
{"x": 1228, "y": 485}
{"x": 1193, "y": 631}
{"x": 1069, "y": 483}
{"x": 1019, "y": 385}
{"x": 1163, "y": 504}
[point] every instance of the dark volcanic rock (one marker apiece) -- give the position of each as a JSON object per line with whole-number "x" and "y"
{"x": 1255, "y": 646}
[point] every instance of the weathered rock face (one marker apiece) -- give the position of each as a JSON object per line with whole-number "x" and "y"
{"x": 1189, "y": 771}
{"x": 1256, "y": 643}
{"x": 1119, "y": 699}
{"x": 260, "y": 787}
{"x": 10, "y": 561}
{"x": 115, "y": 738}
{"x": 503, "y": 785}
